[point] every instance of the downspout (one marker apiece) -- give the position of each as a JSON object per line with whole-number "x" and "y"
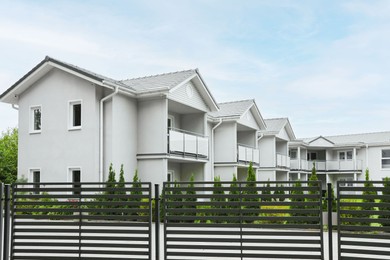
{"x": 15, "y": 107}
{"x": 212, "y": 147}
{"x": 101, "y": 129}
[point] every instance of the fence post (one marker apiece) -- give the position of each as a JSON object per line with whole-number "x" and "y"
{"x": 330, "y": 224}
{"x": 1, "y": 218}
{"x": 157, "y": 215}
{"x": 7, "y": 215}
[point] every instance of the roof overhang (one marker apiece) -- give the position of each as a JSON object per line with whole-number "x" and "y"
{"x": 12, "y": 94}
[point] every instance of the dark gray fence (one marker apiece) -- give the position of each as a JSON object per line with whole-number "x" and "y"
{"x": 364, "y": 220}
{"x": 1, "y": 219}
{"x": 261, "y": 220}
{"x": 81, "y": 221}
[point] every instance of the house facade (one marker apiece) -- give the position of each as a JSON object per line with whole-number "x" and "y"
{"x": 343, "y": 157}
{"x": 73, "y": 123}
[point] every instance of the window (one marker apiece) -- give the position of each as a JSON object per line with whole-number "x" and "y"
{"x": 75, "y": 115}
{"x": 35, "y": 119}
{"x": 386, "y": 159}
{"x": 345, "y": 155}
{"x": 293, "y": 154}
{"x": 311, "y": 156}
{"x": 36, "y": 179}
{"x": 75, "y": 178}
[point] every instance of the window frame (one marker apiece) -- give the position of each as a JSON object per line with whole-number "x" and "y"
{"x": 345, "y": 152}
{"x": 32, "y": 119}
{"x": 71, "y": 117}
{"x": 385, "y": 158}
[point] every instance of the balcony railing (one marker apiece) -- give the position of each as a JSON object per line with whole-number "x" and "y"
{"x": 282, "y": 161}
{"x": 248, "y": 154}
{"x": 327, "y": 165}
{"x": 188, "y": 144}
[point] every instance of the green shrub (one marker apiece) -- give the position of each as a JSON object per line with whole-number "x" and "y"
{"x": 282, "y": 214}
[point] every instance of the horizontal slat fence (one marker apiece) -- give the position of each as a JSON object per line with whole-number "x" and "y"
{"x": 364, "y": 220}
{"x": 237, "y": 220}
{"x": 81, "y": 221}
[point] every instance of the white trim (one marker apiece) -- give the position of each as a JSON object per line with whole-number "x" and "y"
{"x": 71, "y": 103}
{"x": 30, "y": 173}
{"x": 172, "y": 173}
{"x": 70, "y": 172}
{"x": 31, "y": 120}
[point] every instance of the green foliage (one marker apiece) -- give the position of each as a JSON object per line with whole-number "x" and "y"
{"x": 201, "y": 213}
{"x": 368, "y": 184}
{"x": 218, "y": 191}
{"x": 282, "y": 215}
{"x": 250, "y": 194}
{"x": 266, "y": 191}
{"x": 279, "y": 192}
{"x": 111, "y": 180}
{"x": 294, "y": 198}
{"x": 385, "y": 192}
{"x": 353, "y": 208}
{"x": 234, "y": 197}
{"x": 190, "y": 197}
{"x": 325, "y": 201}
{"x": 9, "y": 156}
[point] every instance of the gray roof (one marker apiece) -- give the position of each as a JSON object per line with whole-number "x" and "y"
{"x": 82, "y": 71}
{"x": 377, "y": 137}
{"x": 167, "y": 80}
{"x": 275, "y": 124}
{"x": 234, "y": 108}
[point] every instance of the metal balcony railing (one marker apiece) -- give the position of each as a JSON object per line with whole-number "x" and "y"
{"x": 327, "y": 165}
{"x": 187, "y": 144}
{"x": 282, "y": 160}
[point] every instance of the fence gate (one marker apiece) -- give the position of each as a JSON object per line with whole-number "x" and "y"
{"x": 81, "y": 221}
{"x": 364, "y": 220}
{"x": 237, "y": 220}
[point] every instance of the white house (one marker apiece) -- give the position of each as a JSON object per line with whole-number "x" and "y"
{"x": 73, "y": 123}
{"x": 342, "y": 157}
{"x": 274, "y": 146}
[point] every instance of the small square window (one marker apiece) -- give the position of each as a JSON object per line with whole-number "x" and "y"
{"x": 75, "y": 115}
{"x": 35, "y": 119}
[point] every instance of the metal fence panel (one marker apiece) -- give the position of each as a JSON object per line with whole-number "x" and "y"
{"x": 239, "y": 220}
{"x": 81, "y": 221}
{"x": 364, "y": 220}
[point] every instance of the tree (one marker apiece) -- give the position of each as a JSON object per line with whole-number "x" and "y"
{"x": 385, "y": 201}
{"x": 218, "y": 192}
{"x": 190, "y": 198}
{"x": 9, "y": 156}
{"x": 297, "y": 196}
{"x": 368, "y": 185}
{"x": 234, "y": 197}
{"x": 313, "y": 182}
{"x": 250, "y": 194}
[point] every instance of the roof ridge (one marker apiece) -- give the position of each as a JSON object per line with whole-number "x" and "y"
{"x": 161, "y": 74}
{"x": 368, "y": 133}
{"x": 237, "y": 101}
{"x": 276, "y": 118}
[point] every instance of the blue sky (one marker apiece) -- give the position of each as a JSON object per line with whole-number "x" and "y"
{"x": 323, "y": 64}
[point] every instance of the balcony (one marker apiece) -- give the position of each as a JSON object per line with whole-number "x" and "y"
{"x": 248, "y": 154}
{"x": 188, "y": 144}
{"x": 327, "y": 165}
{"x": 282, "y": 161}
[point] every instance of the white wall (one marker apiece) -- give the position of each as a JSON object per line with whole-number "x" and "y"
{"x": 375, "y": 164}
{"x": 152, "y": 126}
{"x": 187, "y": 169}
{"x": 124, "y": 135}
{"x": 56, "y": 148}
{"x": 267, "y": 147}
{"x": 225, "y": 172}
{"x": 225, "y": 142}
{"x": 265, "y": 175}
